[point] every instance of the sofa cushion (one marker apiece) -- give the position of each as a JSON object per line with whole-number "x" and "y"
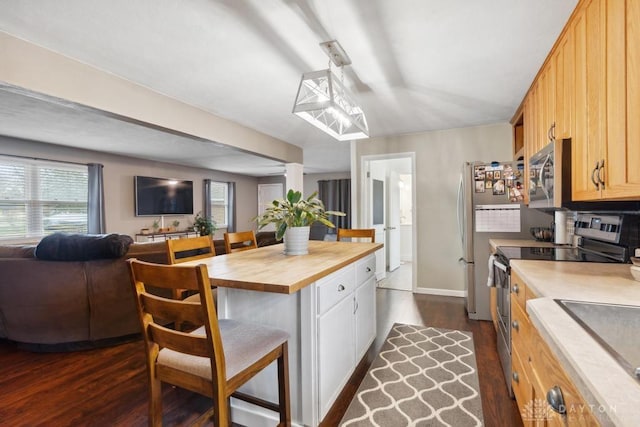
{"x": 17, "y": 251}
{"x": 82, "y": 247}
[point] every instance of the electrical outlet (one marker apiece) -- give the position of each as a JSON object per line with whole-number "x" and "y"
{"x": 637, "y": 252}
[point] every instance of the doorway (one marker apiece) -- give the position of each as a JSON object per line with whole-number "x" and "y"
{"x": 388, "y": 198}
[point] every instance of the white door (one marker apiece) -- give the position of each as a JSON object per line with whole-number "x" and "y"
{"x": 378, "y": 220}
{"x": 393, "y": 221}
{"x": 267, "y": 193}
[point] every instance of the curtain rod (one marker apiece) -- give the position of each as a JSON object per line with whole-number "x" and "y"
{"x": 45, "y": 160}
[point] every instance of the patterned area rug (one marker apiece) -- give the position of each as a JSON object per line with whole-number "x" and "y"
{"x": 422, "y": 377}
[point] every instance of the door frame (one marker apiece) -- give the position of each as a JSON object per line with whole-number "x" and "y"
{"x": 363, "y": 216}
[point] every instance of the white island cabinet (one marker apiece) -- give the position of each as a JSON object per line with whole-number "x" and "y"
{"x": 325, "y": 300}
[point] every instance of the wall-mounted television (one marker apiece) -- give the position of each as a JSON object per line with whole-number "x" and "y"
{"x": 163, "y": 196}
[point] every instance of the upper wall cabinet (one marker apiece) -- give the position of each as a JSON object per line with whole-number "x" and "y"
{"x": 589, "y": 90}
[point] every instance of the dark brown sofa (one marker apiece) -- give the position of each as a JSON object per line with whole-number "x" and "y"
{"x": 75, "y": 304}
{"x": 68, "y": 305}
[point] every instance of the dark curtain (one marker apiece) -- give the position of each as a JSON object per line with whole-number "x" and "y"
{"x": 231, "y": 225}
{"x": 96, "y": 223}
{"x": 206, "y": 211}
{"x": 336, "y": 196}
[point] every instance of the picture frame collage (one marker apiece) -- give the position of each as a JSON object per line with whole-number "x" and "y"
{"x": 501, "y": 180}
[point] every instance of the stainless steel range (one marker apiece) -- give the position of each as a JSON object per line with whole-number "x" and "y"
{"x": 603, "y": 238}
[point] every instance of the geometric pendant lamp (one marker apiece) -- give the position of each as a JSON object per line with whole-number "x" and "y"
{"x": 324, "y": 102}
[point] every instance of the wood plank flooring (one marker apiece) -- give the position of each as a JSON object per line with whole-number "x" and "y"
{"x": 108, "y": 386}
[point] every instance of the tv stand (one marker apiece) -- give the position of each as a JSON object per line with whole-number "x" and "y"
{"x": 158, "y": 237}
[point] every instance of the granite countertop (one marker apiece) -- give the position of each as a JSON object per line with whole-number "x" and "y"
{"x": 603, "y": 383}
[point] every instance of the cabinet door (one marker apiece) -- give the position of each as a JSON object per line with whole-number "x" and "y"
{"x": 365, "y": 314}
{"x": 621, "y": 173}
{"x": 564, "y": 86}
{"x": 336, "y": 357}
{"x": 589, "y": 98}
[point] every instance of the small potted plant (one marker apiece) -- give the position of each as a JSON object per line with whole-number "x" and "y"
{"x": 203, "y": 225}
{"x": 175, "y": 224}
{"x": 292, "y": 218}
{"x": 155, "y": 225}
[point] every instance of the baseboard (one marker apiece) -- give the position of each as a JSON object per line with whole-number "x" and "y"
{"x": 437, "y": 291}
{"x": 254, "y": 416}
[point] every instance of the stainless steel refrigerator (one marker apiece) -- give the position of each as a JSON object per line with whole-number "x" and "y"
{"x": 490, "y": 207}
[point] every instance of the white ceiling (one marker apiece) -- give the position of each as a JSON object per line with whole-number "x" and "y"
{"x": 418, "y": 65}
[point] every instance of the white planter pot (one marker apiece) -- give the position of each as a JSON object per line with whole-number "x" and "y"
{"x": 296, "y": 240}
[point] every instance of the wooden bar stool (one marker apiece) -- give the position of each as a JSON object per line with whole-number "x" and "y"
{"x": 357, "y": 233}
{"x": 247, "y": 238}
{"x": 215, "y": 359}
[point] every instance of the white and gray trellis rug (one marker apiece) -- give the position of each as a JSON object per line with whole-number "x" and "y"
{"x": 422, "y": 377}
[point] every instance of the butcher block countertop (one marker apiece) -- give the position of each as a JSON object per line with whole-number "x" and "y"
{"x": 268, "y": 269}
{"x": 600, "y": 379}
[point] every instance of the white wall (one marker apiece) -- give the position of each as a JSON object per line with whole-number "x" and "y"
{"x": 118, "y": 184}
{"x": 439, "y": 158}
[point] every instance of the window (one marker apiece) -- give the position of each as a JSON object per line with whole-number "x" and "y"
{"x": 41, "y": 197}
{"x": 220, "y": 203}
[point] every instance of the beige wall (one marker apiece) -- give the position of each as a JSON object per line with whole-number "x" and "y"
{"x": 439, "y": 158}
{"x": 118, "y": 184}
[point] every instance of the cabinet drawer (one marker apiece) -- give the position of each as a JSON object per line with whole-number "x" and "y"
{"x": 520, "y": 329}
{"x": 365, "y": 268}
{"x": 518, "y": 290}
{"x": 520, "y": 381}
{"x": 334, "y": 287}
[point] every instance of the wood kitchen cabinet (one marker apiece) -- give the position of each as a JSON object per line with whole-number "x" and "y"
{"x": 536, "y": 371}
{"x": 589, "y": 88}
{"x": 606, "y": 147}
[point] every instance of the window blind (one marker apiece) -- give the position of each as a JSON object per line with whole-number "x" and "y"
{"x": 220, "y": 203}
{"x": 39, "y": 197}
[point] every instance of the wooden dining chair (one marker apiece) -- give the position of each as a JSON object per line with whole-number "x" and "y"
{"x": 247, "y": 238}
{"x": 215, "y": 359}
{"x": 357, "y": 233}
{"x": 191, "y": 249}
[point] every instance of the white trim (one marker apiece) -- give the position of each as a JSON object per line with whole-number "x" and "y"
{"x": 438, "y": 291}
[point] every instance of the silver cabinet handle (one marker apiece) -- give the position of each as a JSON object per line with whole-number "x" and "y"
{"x": 515, "y": 289}
{"x": 593, "y": 176}
{"x": 340, "y": 288}
{"x": 515, "y": 377}
{"x": 600, "y": 169}
{"x": 515, "y": 325}
{"x": 368, "y": 269}
{"x": 556, "y": 400}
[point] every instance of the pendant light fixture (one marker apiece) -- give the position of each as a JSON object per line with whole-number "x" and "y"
{"x": 325, "y": 102}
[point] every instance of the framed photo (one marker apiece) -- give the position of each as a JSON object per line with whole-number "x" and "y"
{"x": 479, "y": 186}
{"x": 479, "y": 173}
{"x": 489, "y": 174}
{"x": 488, "y": 184}
{"x": 498, "y": 187}
{"x": 496, "y": 174}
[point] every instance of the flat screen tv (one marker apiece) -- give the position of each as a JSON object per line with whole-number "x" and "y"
{"x": 163, "y": 196}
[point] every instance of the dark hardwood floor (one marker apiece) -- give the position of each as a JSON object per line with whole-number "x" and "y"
{"x": 108, "y": 386}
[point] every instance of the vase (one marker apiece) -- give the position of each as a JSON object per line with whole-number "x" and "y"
{"x": 296, "y": 240}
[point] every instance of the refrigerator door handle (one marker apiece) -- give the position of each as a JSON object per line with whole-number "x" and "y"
{"x": 461, "y": 212}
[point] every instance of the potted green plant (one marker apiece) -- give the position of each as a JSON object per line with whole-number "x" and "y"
{"x": 292, "y": 218}
{"x": 155, "y": 225}
{"x": 203, "y": 225}
{"x": 175, "y": 224}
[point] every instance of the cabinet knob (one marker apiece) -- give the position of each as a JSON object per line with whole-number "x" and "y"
{"x": 515, "y": 325}
{"x": 340, "y": 288}
{"x": 515, "y": 377}
{"x": 368, "y": 269}
{"x": 556, "y": 400}
{"x": 515, "y": 289}
{"x": 593, "y": 176}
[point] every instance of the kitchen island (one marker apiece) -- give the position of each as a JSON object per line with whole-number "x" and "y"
{"x": 325, "y": 300}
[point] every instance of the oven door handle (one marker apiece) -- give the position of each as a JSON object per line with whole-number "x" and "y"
{"x": 500, "y": 265}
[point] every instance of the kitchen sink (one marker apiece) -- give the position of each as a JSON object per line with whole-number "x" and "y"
{"x": 615, "y": 327}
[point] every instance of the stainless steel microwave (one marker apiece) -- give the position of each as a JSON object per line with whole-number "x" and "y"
{"x": 550, "y": 176}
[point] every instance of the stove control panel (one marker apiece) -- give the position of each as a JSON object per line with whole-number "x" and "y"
{"x": 613, "y": 228}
